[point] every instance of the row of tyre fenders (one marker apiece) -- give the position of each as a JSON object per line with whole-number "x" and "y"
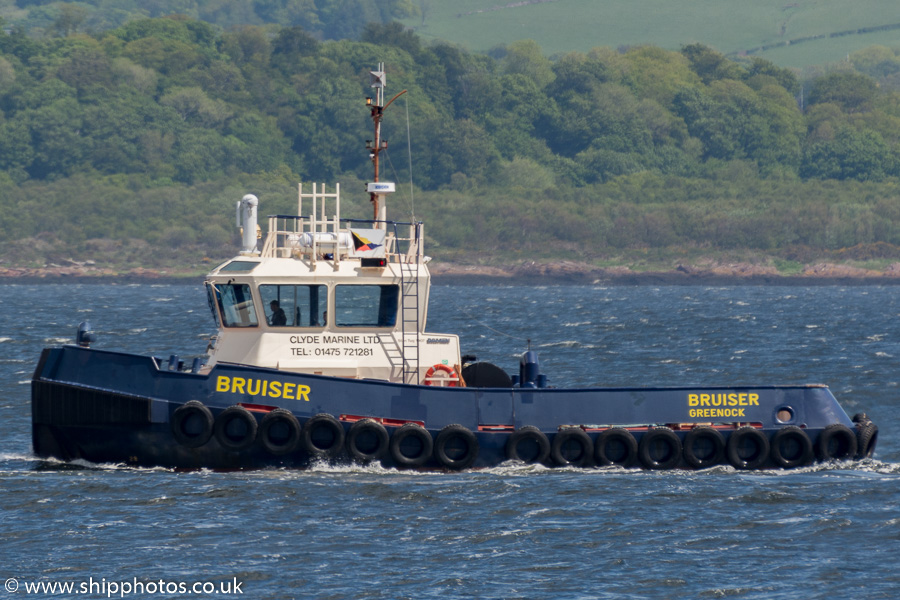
{"x": 455, "y": 447}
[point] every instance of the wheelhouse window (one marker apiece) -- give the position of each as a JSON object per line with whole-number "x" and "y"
{"x": 236, "y": 305}
{"x": 294, "y": 305}
{"x": 366, "y": 305}
{"x": 242, "y": 266}
{"x": 211, "y": 300}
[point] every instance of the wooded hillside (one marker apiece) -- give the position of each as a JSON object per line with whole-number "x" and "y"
{"x": 133, "y": 144}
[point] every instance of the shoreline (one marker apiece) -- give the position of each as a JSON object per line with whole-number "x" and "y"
{"x": 573, "y": 273}
{"x": 527, "y": 273}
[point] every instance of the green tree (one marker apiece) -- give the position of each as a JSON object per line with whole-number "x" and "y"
{"x": 16, "y": 151}
{"x": 526, "y": 58}
{"x": 71, "y": 17}
{"x": 785, "y": 77}
{"x": 853, "y": 92}
{"x": 56, "y": 134}
{"x": 852, "y": 154}
{"x": 87, "y": 69}
{"x": 248, "y": 45}
{"x": 290, "y": 45}
{"x": 658, "y": 74}
{"x": 709, "y": 64}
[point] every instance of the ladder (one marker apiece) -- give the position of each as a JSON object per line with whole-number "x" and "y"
{"x": 409, "y": 305}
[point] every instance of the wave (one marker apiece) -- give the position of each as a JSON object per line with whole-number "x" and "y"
{"x": 855, "y": 468}
{"x": 563, "y": 344}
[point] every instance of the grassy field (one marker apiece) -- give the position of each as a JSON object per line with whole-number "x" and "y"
{"x": 729, "y": 26}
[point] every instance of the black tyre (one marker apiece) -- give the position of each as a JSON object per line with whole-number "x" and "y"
{"x": 616, "y": 446}
{"x": 455, "y": 447}
{"x": 791, "y": 448}
{"x": 323, "y": 436}
{"x": 192, "y": 424}
{"x": 528, "y": 444}
{"x": 660, "y": 449}
{"x": 572, "y": 447}
{"x": 411, "y": 445}
{"x": 279, "y": 432}
{"x": 367, "y": 440}
{"x": 235, "y": 428}
{"x": 704, "y": 447}
{"x": 836, "y": 442}
{"x": 747, "y": 448}
{"x": 866, "y": 439}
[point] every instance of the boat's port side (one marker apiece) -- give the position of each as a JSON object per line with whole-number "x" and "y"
{"x": 190, "y": 422}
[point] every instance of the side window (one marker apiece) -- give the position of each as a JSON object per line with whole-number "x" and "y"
{"x": 366, "y": 305}
{"x": 211, "y": 299}
{"x": 236, "y": 305}
{"x": 294, "y": 305}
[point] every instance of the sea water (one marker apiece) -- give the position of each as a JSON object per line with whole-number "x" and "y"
{"x": 526, "y": 532}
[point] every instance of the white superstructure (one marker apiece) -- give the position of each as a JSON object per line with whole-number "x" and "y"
{"x": 330, "y": 296}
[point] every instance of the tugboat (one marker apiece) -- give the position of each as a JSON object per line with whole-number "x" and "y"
{"x": 322, "y": 354}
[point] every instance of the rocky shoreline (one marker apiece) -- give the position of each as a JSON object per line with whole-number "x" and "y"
{"x": 524, "y": 273}
{"x": 572, "y": 272}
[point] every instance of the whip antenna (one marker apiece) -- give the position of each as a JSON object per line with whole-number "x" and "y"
{"x": 412, "y": 198}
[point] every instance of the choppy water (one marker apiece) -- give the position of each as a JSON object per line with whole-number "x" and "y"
{"x": 510, "y": 532}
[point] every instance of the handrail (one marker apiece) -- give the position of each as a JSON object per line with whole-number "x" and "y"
{"x": 330, "y": 239}
{"x": 307, "y": 218}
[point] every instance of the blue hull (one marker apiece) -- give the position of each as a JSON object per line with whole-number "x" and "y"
{"x": 115, "y": 407}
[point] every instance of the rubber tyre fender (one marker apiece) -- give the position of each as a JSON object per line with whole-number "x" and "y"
{"x": 322, "y": 436}
{"x": 866, "y": 439}
{"x": 420, "y": 437}
{"x": 650, "y": 444}
{"x": 706, "y": 435}
{"x": 231, "y": 439}
{"x": 278, "y": 418}
{"x": 367, "y": 430}
{"x": 563, "y": 441}
{"x": 195, "y": 413}
{"x": 620, "y": 437}
{"x": 836, "y": 442}
{"x": 791, "y": 435}
{"x": 737, "y": 443}
{"x": 528, "y": 434}
{"x": 455, "y": 447}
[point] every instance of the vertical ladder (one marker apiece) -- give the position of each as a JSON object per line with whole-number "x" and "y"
{"x": 409, "y": 306}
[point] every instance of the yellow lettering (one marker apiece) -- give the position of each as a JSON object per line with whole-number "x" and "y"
{"x": 754, "y": 401}
{"x": 742, "y": 399}
{"x": 712, "y": 413}
{"x": 693, "y": 400}
{"x": 704, "y": 399}
{"x": 262, "y": 387}
{"x": 732, "y": 400}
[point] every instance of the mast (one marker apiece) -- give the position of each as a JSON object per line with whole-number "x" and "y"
{"x": 377, "y": 189}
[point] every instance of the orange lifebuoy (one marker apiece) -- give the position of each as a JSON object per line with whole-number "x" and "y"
{"x": 450, "y": 380}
